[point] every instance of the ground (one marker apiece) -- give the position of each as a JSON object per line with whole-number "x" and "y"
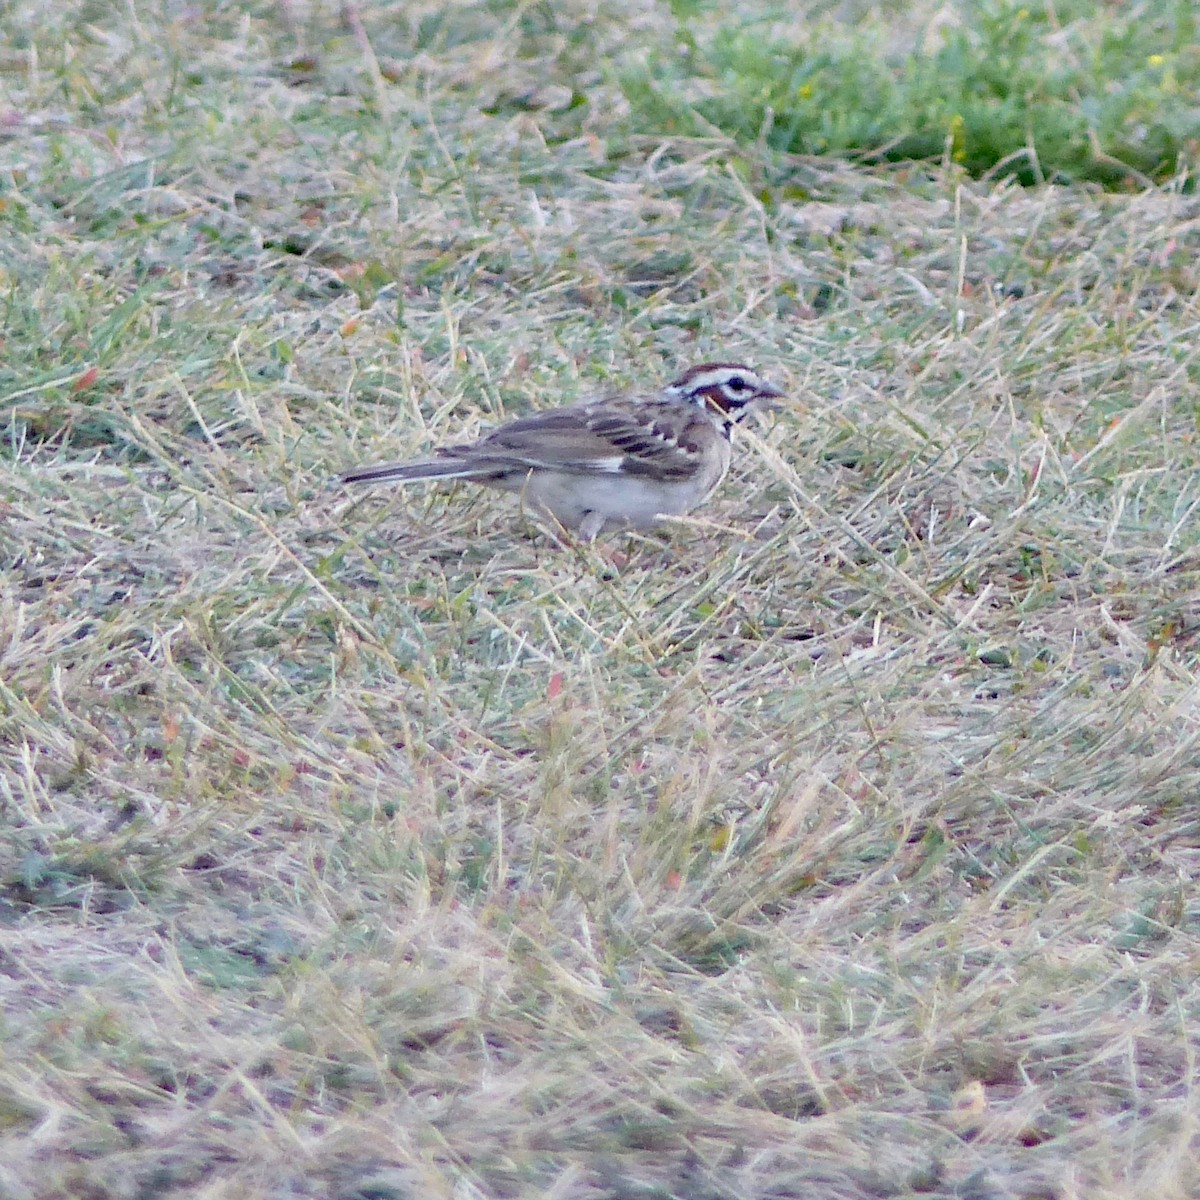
{"x": 838, "y": 841}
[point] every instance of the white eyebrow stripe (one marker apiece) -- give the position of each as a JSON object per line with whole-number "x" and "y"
{"x": 720, "y": 376}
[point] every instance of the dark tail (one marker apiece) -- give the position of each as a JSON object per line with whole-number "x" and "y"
{"x": 404, "y": 472}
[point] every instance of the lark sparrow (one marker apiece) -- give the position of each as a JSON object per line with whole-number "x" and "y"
{"x": 620, "y": 462}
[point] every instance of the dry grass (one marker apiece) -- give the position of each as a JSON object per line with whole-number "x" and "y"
{"x": 841, "y": 843}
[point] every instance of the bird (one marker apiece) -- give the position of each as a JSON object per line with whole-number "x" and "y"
{"x": 620, "y": 462}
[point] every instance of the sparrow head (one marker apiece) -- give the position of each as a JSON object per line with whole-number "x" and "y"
{"x": 730, "y": 388}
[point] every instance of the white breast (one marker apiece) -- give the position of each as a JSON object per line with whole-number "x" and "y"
{"x": 598, "y": 503}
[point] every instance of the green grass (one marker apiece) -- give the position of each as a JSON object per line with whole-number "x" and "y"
{"x": 838, "y": 842}
{"x": 1070, "y": 92}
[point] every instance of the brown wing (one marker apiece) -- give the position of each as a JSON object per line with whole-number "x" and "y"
{"x": 659, "y": 438}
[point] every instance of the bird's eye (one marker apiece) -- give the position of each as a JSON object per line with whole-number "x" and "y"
{"x": 737, "y": 383}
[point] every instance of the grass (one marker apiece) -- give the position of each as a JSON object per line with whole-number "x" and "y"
{"x": 839, "y": 842}
{"x": 1036, "y": 91}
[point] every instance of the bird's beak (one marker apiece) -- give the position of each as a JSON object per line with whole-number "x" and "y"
{"x": 770, "y": 395}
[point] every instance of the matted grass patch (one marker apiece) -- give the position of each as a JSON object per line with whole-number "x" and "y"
{"x": 839, "y": 841}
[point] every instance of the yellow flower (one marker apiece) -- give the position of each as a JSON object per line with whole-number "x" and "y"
{"x": 1156, "y": 60}
{"x": 958, "y": 138}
